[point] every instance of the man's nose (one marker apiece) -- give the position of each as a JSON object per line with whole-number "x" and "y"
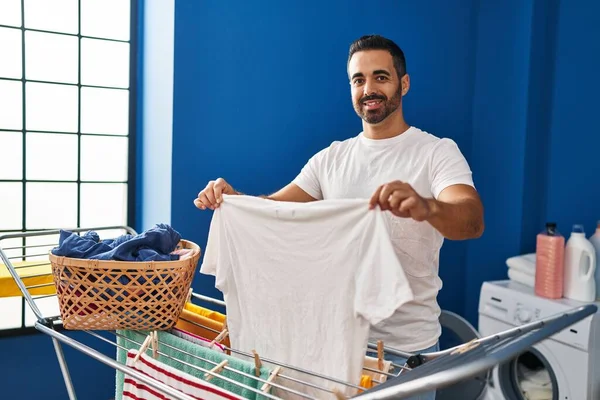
{"x": 368, "y": 88}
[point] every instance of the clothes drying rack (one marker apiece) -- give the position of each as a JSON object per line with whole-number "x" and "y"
{"x": 422, "y": 372}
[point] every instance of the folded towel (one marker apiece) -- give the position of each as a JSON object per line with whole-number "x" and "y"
{"x": 201, "y": 326}
{"x": 205, "y": 312}
{"x": 177, "y": 348}
{"x": 519, "y": 276}
{"x": 524, "y": 263}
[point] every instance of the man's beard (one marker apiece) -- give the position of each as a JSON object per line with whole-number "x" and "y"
{"x": 378, "y": 115}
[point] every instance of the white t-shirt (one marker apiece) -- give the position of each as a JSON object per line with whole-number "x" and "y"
{"x": 354, "y": 168}
{"x": 302, "y": 282}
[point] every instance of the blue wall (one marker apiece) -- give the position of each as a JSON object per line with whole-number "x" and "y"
{"x": 573, "y": 192}
{"x": 259, "y": 90}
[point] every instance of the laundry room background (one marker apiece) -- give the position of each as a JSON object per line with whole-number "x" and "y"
{"x": 250, "y": 90}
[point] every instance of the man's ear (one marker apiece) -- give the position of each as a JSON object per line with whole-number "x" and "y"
{"x": 405, "y": 84}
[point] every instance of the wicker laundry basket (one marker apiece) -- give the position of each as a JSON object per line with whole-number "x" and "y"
{"x": 108, "y": 295}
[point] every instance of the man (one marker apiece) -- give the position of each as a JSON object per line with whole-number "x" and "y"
{"x": 423, "y": 181}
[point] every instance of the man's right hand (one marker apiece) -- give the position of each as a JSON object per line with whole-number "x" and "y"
{"x": 212, "y": 195}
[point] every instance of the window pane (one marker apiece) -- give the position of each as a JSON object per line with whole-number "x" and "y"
{"x": 11, "y": 247}
{"x": 55, "y": 15}
{"x": 104, "y": 63}
{"x": 10, "y": 52}
{"x": 104, "y": 111}
{"x": 11, "y": 144}
{"x": 11, "y": 312}
{"x": 107, "y": 19}
{"x": 51, "y": 107}
{"x": 11, "y": 105}
{"x": 46, "y": 243}
{"x": 11, "y": 205}
{"x": 51, "y": 57}
{"x": 10, "y": 12}
{"x": 103, "y": 158}
{"x": 103, "y": 204}
{"x": 51, "y": 205}
{"x": 51, "y": 156}
{"x": 48, "y": 306}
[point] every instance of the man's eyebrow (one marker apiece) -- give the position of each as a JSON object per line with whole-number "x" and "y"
{"x": 381, "y": 72}
{"x": 376, "y": 72}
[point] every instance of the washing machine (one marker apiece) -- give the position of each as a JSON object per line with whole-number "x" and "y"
{"x": 566, "y": 366}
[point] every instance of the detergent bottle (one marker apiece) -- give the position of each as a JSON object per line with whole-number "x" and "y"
{"x": 595, "y": 240}
{"x": 549, "y": 263}
{"x": 580, "y": 265}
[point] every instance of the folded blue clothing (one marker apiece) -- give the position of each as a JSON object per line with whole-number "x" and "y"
{"x": 154, "y": 244}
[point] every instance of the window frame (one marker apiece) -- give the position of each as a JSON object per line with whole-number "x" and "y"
{"x": 135, "y": 51}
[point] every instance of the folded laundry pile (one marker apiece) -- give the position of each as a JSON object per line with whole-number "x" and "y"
{"x": 155, "y": 244}
{"x": 522, "y": 269}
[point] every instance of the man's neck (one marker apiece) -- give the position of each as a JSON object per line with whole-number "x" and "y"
{"x": 393, "y": 125}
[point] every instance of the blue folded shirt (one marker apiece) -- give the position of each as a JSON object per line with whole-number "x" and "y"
{"x": 154, "y": 244}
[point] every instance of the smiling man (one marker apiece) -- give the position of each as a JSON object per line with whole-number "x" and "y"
{"x": 423, "y": 181}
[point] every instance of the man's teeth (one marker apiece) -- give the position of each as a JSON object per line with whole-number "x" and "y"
{"x": 372, "y": 102}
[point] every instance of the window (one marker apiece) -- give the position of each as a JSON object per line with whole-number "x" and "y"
{"x": 67, "y": 122}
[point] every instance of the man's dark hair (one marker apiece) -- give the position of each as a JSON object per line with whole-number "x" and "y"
{"x": 377, "y": 42}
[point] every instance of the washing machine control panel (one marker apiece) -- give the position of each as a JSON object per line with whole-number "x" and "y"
{"x": 524, "y": 314}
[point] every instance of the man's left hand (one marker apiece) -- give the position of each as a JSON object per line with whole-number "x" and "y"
{"x": 401, "y": 200}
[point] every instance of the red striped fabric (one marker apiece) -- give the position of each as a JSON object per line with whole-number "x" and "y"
{"x": 180, "y": 381}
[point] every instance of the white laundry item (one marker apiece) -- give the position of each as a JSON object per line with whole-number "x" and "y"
{"x": 135, "y": 389}
{"x": 535, "y": 384}
{"x": 373, "y": 363}
{"x": 302, "y": 282}
{"x": 521, "y": 277}
{"x": 355, "y": 168}
{"x": 524, "y": 263}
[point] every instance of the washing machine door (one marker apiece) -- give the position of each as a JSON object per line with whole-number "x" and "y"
{"x": 455, "y": 331}
{"x": 530, "y": 375}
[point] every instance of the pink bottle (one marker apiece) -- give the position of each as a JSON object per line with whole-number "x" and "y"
{"x": 549, "y": 263}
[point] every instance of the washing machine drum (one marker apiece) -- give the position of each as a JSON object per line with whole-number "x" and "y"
{"x": 527, "y": 376}
{"x": 455, "y": 331}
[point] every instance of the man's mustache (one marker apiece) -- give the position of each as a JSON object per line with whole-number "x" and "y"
{"x": 372, "y": 97}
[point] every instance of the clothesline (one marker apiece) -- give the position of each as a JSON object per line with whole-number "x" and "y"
{"x": 297, "y": 368}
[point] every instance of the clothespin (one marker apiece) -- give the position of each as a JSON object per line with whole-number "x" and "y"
{"x": 380, "y": 355}
{"x": 215, "y": 370}
{"x": 338, "y": 394}
{"x": 189, "y": 296}
{"x": 154, "y": 339}
{"x": 466, "y": 347}
{"x": 257, "y": 363}
{"x": 272, "y": 376}
{"x": 221, "y": 336}
{"x": 151, "y": 339}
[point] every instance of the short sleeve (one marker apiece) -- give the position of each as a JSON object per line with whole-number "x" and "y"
{"x": 215, "y": 261}
{"x": 448, "y": 167}
{"x": 381, "y": 285}
{"x": 308, "y": 178}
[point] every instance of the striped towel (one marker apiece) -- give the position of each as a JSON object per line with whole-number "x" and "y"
{"x": 180, "y": 381}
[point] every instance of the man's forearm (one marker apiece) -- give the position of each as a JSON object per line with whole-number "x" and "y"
{"x": 457, "y": 221}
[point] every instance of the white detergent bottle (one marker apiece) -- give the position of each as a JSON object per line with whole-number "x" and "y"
{"x": 595, "y": 240}
{"x": 580, "y": 265}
